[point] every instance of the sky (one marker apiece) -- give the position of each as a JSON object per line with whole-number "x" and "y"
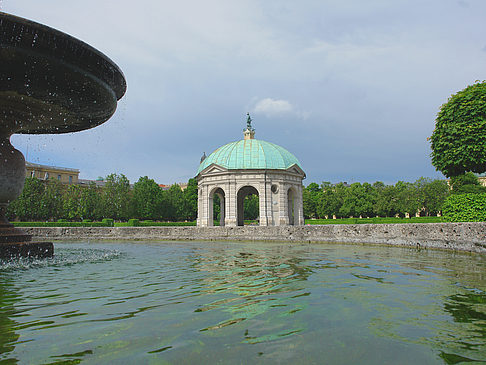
{"x": 351, "y": 88}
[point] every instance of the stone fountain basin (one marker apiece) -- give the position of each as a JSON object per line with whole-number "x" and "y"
{"x": 51, "y": 82}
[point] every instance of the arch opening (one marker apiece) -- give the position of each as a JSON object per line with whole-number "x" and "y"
{"x": 248, "y": 204}
{"x": 217, "y": 206}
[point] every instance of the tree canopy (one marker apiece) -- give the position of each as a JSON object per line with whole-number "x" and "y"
{"x": 50, "y": 200}
{"x": 459, "y": 139}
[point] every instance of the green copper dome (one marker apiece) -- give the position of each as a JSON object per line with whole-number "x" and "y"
{"x": 250, "y": 154}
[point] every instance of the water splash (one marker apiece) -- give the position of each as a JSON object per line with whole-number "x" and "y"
{"x": 65, "y": 257}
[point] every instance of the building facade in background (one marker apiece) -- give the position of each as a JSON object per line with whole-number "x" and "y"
{"x": 44, "y": 172}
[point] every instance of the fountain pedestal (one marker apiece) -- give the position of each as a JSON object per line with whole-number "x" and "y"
{"x": 53, "y": 83}
{"x": 15, "y": 242}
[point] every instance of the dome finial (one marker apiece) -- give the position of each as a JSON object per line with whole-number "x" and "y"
{"x": 249, "y": 132}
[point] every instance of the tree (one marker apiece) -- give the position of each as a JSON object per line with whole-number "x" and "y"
{"x": 311, "y": 195}
{"x": 116, "y": 197}
{"x": 90, "y": 203}
{"x": 190, "y": 200}
{"x": 408, "y": 198}
{"x": 146, "y": 199}
{"x": 175, "y": 203}
{"x": 251, "y": 207}
{"x": 216, "y": 208}
{"x": 331, "y": 200}
{"x": 52, "y": 200}
{"x": 466, "y": 183}
{"x": 459, "y": 138}
{"x": 72, "y": 202}
{"x": 435, "y": 194}
{"x": 358, "y": 201}
{"x": 27, "y": 207}
{"x": 387, "y": 203}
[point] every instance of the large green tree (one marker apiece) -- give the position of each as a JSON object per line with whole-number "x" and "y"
{"x": 358, "y": 201}
{"x": 190, "y": 200}
{"x": 116, "y": 197}
{"x": 459, "y": 138}
{"x": 175, "y": 203}
{"x": 387, "y": 203}
{"x": 311, "y": 195}
{"x": 52, "y": 200}
{"x": 331, "y": 200}
{"x": 72, "y": 202}
{"x": 431, "y": 195}
{"x": 28, "y": 206}
{"x": 90, "y": 203}
{"x": 146, "y": 199}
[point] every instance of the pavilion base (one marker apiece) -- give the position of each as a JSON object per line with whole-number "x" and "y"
{"x": 16, "y": 243}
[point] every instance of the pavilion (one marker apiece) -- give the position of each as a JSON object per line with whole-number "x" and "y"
{"x": 245, "y": 167}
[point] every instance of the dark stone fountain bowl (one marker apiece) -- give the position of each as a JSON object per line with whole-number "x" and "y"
{"x": 51, "y": 82}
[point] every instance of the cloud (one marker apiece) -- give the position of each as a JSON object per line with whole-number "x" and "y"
{"x": 369, "y": 76}
{"x": 271, "y": 107}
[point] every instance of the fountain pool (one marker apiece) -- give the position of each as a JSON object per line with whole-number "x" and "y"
{"x": 215, "y": 302}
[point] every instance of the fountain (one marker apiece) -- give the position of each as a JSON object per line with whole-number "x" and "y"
{"x": 50, "y": 82}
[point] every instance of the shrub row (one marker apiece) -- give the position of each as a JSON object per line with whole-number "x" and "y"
{"x": 138, "y": 223}
{"x": 64, "y": 223}
{"x": 467, "y": 207}
{"x": 376, "y": 220}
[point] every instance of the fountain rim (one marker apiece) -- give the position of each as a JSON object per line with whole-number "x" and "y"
{"x": 62, "y": 41}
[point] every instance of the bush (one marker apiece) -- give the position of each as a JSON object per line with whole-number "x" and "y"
{"x": 465, "y": 208}
{"x": 108, "y": 222}
{"x": 133, "y": 223}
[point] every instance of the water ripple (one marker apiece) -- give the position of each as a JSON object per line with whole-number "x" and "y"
{"x": 214, "y": 302}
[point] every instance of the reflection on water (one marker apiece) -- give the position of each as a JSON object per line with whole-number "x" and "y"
{"x": 190, "y": 302}
{"x": 8, "y": 336}
{"x": 252, "y": 284}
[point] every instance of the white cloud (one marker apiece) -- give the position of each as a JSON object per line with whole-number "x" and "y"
{"x": 271, "y": 107}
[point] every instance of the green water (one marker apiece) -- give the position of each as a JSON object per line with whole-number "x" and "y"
{"x": 231, "y": 303}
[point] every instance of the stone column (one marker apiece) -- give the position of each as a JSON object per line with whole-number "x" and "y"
{"x": 300, "y": 221}
{"x": 199, "y": 205}
{"x": 283, "y": 205}
{"x": 210, "y": 207}
{"x": 231, "y": 204}
{"x": 264, "y": 204}
{"x": 204, "y": 209}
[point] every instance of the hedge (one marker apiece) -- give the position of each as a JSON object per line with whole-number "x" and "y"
{"x": 61, "y": 224}
{"x": 375, "y": 220}
{"x": 465, "y": 208}
{"x": 149, "y": 223}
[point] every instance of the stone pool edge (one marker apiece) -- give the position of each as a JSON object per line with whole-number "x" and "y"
{"x": 469, "y": 236}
